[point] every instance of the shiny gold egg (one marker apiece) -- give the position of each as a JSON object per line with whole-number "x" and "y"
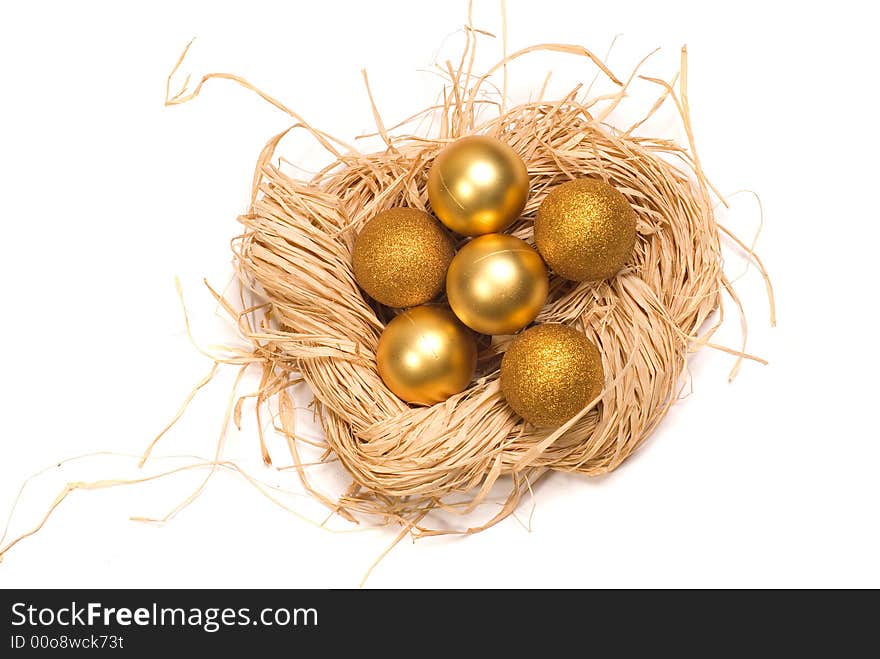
{"x": 496, "y": 284}
{"x": 400, "y": 257}
{"x": 425, "y": 355}
{"x": 551, "y": 372}
{"x": 478, "y": 185}
{"x": 585, "y": 230}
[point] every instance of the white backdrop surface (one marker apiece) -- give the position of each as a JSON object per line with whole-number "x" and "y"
{"x": 106, "y": 196}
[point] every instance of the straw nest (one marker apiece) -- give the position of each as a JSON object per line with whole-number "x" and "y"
{"x": 312, "y": 322}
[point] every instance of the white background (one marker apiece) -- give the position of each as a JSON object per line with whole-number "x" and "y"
{"x": 106, "y": 196}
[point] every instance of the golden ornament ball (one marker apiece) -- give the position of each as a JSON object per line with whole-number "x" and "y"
{"x": 585, "y": 230}
{"x": 425, "y": 355}
{"x": 496, "y": 284}
{"x": 551, "y": 372}
{"x": 400, "y": 257}
{"x": 478, "y": 185}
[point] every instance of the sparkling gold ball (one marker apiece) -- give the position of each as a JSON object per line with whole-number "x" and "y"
{"x": 400, "y": 257}
{"x": 496, "y": 284}
{"x": 425, "y": 355}
{"x": 550, "y": 373}
{"x": 478, "y": 185}
{"x": 585, "y": 230}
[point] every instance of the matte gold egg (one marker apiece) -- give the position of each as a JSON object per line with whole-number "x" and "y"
{"x": 496, "y": 284}
{"x": 551, "y": 372}
{"x": 585, "y": 230}
{"x": 400, "y": 257}
{"x": 478, "y": 185}
{"x": 425, "y": 355}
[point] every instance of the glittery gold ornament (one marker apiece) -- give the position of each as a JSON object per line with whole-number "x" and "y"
{"x": 478, "y": 185}
{"x": 550, "y": 373}
{"x": 425, "y": 355}
{"x": 400, "y": 257}
{"x": 585, "y": 230}
{"x": 496, "y": 284}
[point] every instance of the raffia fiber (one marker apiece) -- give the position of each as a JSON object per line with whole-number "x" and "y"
{"x": 295, "y": 257}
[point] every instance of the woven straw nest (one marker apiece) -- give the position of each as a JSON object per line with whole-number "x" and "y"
{"x": 312, "y": 321}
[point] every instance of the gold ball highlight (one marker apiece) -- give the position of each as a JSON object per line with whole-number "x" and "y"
{"x": 496, "y": 284}
{"x": 478, "y": 185}
{"x": 425, "y": 355}
{"x": 400, "y": 257}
